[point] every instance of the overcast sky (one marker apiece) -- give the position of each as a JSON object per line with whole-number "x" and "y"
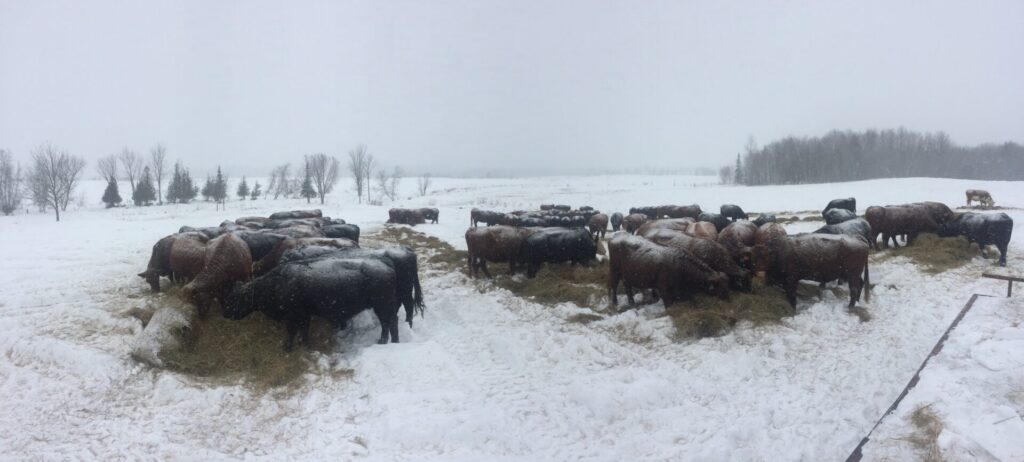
{"x": 475, "y": 85}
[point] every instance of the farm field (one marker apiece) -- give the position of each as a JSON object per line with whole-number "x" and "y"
{"x": 487, "y": 374}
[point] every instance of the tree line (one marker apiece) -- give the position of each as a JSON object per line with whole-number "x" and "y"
{"x": 851, "y": 156}
{"x": 54, "y": 173}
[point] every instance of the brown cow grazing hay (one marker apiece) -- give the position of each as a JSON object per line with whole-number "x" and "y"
{"x": 632, "y": 222}
{"x": 704, "y": 230}
{"x": 226, "y": 262}
{"x": 497, "y": 244}
{"x": 739, "y": 237}
{"x": 895, "y": 221}
{"x": 816, "y": 257}
{"x": 675, "y": 224}
{"x": 179, "y": 263}
{"x": 980, "y": 195}
{"x": 598, "y": 224}
{"x": 675, "y": 273}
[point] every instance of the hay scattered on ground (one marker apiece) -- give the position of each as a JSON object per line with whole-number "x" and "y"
{"x": 928, "y": 426}
{"x": 709, "y": 316}
{"x": 937, "y": 254}
{"x": 584, "y": 285}
{"x": 584, "y": 318}
{"x": 250, "y": 350}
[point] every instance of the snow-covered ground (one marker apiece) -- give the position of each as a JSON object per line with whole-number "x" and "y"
{"x": 487, "y": 375}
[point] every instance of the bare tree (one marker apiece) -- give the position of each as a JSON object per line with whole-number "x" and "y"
{"x": 158, "y": 166}
{"x": 54, "y": 175}
{"x": 367, "y": 170}
{"x": 423, "y": 183}
{"x": 357, "y": 167}
{"x": 387, "y": 185}
{"x": 323, "y": 170}
{"x": 107, "y": 166}
{"x": 11, "y": 192}
{"x": 279, "y": 181}
{"x": 133, "y": 164}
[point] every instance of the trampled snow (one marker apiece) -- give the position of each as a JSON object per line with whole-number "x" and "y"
{"x": 488, "y": 375}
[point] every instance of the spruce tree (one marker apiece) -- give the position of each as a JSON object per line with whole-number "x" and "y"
{"x": 110, "y": 196}
{"x": 256, "y": 191}
{"x": 145, "y": 193}
{"x": 738, "y": 171}
{"x": 188, "y": 189}
{"x": 307, "y": 187}
{"x": 220, "y": 187}
{"x": 243, "y": 190}
{"x": 174, "y": 188}
{"x": 207, "y": 190}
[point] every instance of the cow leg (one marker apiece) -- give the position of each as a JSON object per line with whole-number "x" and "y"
{"x": 1002, "y": 253}
{"x": 856, "y": 284}
{"x": 393, "y": 326}
{"x": 472, "y": 266}
{"x": 613, "y": 287}
{"x": 292, "y": 326}
{"x": 483, "y": 266}
{"x": 791, "y": 286}
{"x": 629, "y": 294}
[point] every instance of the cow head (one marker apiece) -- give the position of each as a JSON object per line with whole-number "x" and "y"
{"x": 720, "y": 285}
{"x": 240, "y": 302}
{"x": 761, "y": 258}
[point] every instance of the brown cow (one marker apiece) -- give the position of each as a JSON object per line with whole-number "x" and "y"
{"x": 598, "y": 224}
{"x": 769, "y": 232}
{"x": 675, "y": 224}
{"x": 739, "y": 237}
{"x": 678, "y": 211}
{"x": 633, "y": 221}
{"x": 817, "y": 257}
{"x": 704, "y": 229}
{"x": 893, "y": 221}
{"x": 188, "y": 256}
{"x": 673, "y": 272}
{"x": 269, "y": 261}
{"x": 709, "y": 251}
{"x": 494, "y": 244}
{"x": 981, "y": 196}
{"x": 226, "y": 262}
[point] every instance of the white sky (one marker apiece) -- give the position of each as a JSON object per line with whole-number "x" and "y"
{"x": 473, "y": 85}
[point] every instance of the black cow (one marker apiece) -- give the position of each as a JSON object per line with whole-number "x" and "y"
{"x": 401, "y": 258}
{"x": 335, "y": 289}
{"x": 857, "y": 227}
{"x": 733, "y": 212}
{"x": 563, "y": 208}
{"x": 347, "y": 231}
{"x": 586, "y": 208}
{"x": 982, "y": 228}
{"x": 616, "y": 221}
{"x": 556, "y": 245}
{"x": 260, "y": 244}
{"x": 764, "y": 218}
{"x": 835, "y": 216}
{"x": 717, "y": 219}
{"x": 651, "y": 212}
{"x": 848, "y": 203}
{"x": 297, "y": 214}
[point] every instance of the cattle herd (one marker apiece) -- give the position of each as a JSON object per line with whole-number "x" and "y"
{"x": 294, "y": 265}
{"x": 290, "y": 266}
{"x": 677, "y": 250}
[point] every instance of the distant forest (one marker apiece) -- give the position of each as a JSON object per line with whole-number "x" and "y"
{"x": 851, "y": 156}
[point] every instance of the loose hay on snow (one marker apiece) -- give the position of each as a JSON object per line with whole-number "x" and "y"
{"x": 707, "y": 316}
{"x": 928, "y": 426}
{"x": 937, "y": 254}
{"x": 584, "y": 285}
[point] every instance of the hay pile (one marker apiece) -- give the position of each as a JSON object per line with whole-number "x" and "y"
{"x": 708, "y": 316}
{"x": 937, "y": 254}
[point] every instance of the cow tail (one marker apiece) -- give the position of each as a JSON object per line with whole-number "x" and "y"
{"x": 867, "y": 282}
{"x": 418, "y": 293}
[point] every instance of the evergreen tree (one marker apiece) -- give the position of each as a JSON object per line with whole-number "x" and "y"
{"x": 220, "y": 187}
{"x": 174, "y": 187}
{"x": 145, "y": 193}
{"x": 256, "y": 191}
{"x": 110, "y": 196}
{"x": 207, "y": 189}
{"x": 188, "y": 189}
{"x": 307, "y": 186}
{"x": 243, "y": 190}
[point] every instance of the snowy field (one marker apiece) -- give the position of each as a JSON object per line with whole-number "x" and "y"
{"x": 486, "y": 375}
